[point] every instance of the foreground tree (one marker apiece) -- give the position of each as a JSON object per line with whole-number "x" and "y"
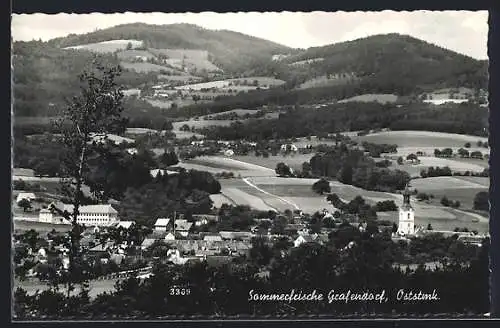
{"x": 85, "y": 124}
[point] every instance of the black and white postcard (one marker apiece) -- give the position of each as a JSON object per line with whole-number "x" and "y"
{"x": 250, "y": 166}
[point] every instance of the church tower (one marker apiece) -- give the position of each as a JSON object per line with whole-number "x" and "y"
{"x": 406, "y": 215}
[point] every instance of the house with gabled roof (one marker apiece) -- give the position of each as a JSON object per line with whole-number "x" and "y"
{"x": 162, "y": 224}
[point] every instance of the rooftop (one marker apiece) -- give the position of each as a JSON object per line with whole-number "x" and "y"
{"x": 101, "y": 208}
{"x": 162, "y": 222}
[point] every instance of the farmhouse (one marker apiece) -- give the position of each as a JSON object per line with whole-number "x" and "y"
{"x": 101, "y": 138}
{"x": 124, "y": 224}
{"x": 302, "y": 239}
{"x": 182, "y": 227}
{"x": 29, "y": 196}
{"x": 46, "y": 216}
{"x": 289, "y": 147}
{"x": 161, "y": 224}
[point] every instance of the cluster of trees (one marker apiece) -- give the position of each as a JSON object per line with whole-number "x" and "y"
{"x": 386, "y": 206}
{"x": 436, "y": 172}
{"x": 466, "y": 154}
{"x": 356, "y": 206}
{"x": 449, "y": 203}
{"x": 41, "y": 153}
{"x": 186, "y": 192}
{"x": 353, "y": 167}
{"x": 482, "y": 201}
{"x": 376, "y": 149}
{"x": 301, "y": 122}
{"x": 27, "y": 186}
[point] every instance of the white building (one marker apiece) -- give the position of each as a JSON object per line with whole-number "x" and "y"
{"x": 182, "y": 227}
{"x": 90, "y": 215}
{"x": 29, "y": 196}
{"x": 162, "y": 224}
{"x": 289, "y": 147}
{"x": 302, "y": 239}
{"x": 406, "y": 216}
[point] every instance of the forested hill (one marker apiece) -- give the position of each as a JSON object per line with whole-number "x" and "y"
{"x": 394, "y": 59}
{"x": 229, "y": 50}
{"x": 45, "y": 73}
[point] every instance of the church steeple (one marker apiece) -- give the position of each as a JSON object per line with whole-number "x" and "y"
{"x": 406, "y": 196}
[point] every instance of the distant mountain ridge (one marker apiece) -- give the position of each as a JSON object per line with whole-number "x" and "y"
{"x": 229, "y": 49}
{"x": 45, "y": 73}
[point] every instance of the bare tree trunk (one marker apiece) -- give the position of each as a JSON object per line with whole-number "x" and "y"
{"x": 76, "y": 205}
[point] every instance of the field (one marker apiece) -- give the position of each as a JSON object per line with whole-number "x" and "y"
{"x": 215, "y": 164}
{"x": 263, "y": 81}
{"x": 261, "y": 189}
{"x": 323, "y": 81}
{"x": 195, "y": 58}
{"x": 178, "y": 78}
{"x": 294, "y": 161}
{"x": 145, "y": 67}
{"x": 107, "y": 46}
{"x": 202, "y": 123}
{"x": 41, "y": 227}
{"x": 462, "y": 189}
{"x": 380, "y": 98}
{"x": 307, "y": 61}
{"x": 421, "y": 139}
{"x": 239, "y": 112}
{"x": 167, "y": 104}
{"x": 128, "y": 55}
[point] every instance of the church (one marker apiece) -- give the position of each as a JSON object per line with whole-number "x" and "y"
{"x": 406, "y": 216}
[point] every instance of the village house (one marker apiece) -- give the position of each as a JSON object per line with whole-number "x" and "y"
{"x": 212, "y": 237}
{"x": 201, "y": 219}
{"x": 182, "y": 227}
{"x": 29, "y": 196}
{"x": 124, "y": 224}
{"x": 47, "y": 216}
{"x": 162, "y": 224}
{"x": 289, "y": 147}
{"x": 117, "y": 140}
{"x": 302, "y": 239}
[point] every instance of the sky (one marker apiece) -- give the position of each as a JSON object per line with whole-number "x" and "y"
{"x": 465, "y": 32}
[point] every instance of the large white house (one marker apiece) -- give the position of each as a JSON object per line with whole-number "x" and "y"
{"x": 89, "y": 215}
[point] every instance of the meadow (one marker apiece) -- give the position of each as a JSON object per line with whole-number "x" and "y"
{"x": 380, "y": 98}
{"x": 293, "y": 161}
{"x": 108, "y": 46}
{"x": 145, "y": 67}
{"x": 263, "y": 81}
{"x": 420, "y": 139}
